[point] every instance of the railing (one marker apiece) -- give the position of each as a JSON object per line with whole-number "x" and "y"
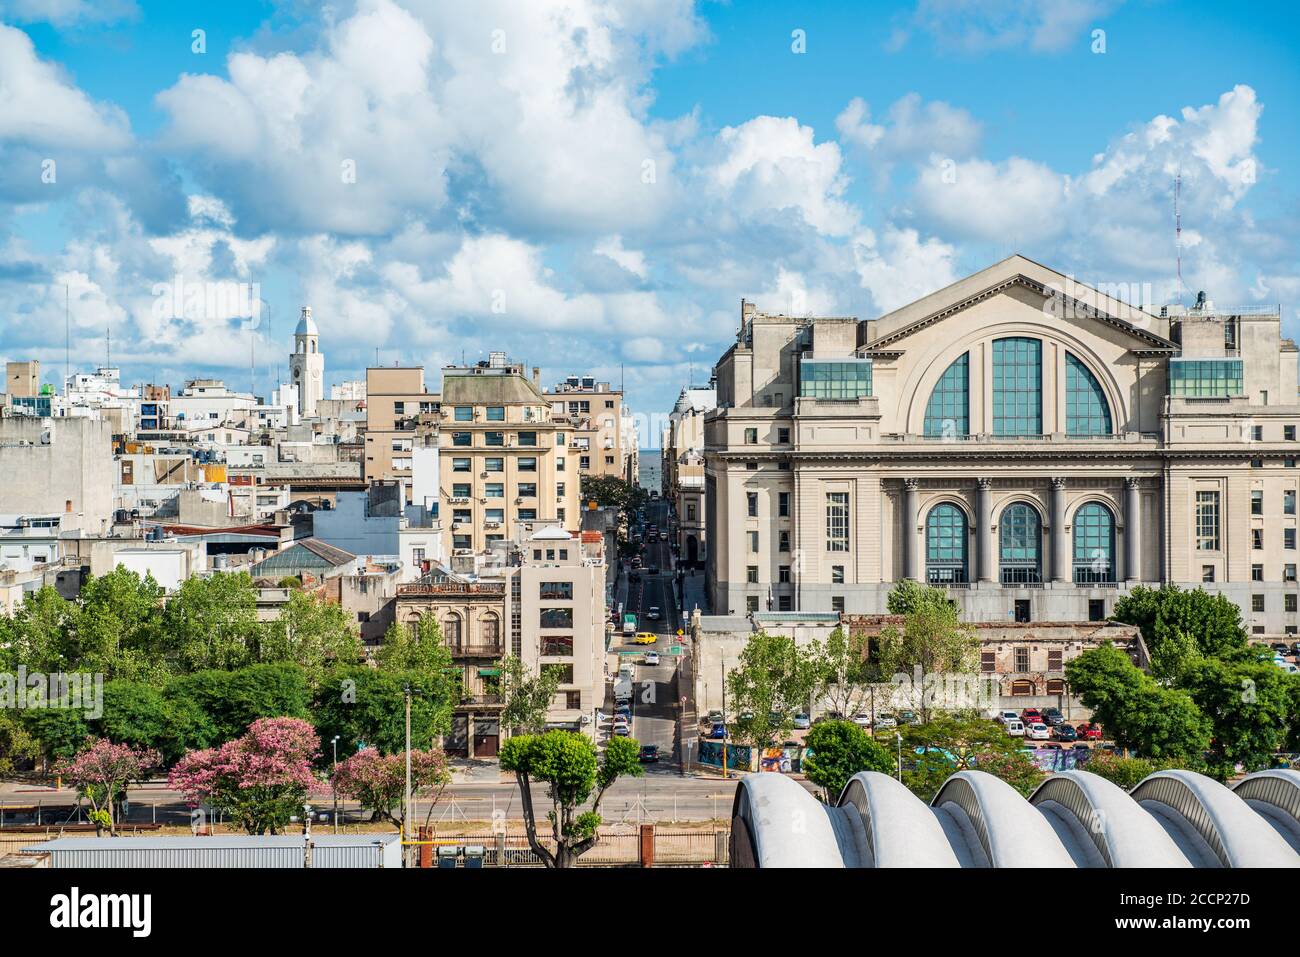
{"x": 451, "y": 588}
{"x": 492, "y": 649}
{"x": 616, "y": 847}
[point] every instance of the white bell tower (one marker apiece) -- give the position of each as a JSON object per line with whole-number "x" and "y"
{"x": 307, "y": 365}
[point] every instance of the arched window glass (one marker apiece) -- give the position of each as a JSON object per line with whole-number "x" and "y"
{"x": 1019, "y": 535}
{"x": 948, "y": 411}
{"x": 945, "y": 545}
{"x": 1017, "y": 386}
{"x": 1094, "y": 544}
{"x": 1086, "y": 410}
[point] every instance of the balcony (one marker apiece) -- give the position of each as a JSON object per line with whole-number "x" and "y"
{"x": 491, "y": 649}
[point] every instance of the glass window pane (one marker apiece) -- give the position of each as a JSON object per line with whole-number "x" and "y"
{"x": 1086, "y": 410}
{"x": 1017, "y": 386}
{"x": 948, "y": 411}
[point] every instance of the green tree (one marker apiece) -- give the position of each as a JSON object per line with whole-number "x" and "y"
{"x": 57, "y": 732}
{"x": 38, "y": 633}
{"x": 366, "y": 707}
{"x": 418, "y": 648}
{"x": 568, "y": 764}
{"x": 932, "y": 640}
{"x": 844, "y": 673}
{"x": 312, "y": 633}
{"x": 610, "y": 490}
{"x": 935, "y": 750}
{"x": 526, "y": 696}
{"x": 1180, "y": 627}
{"x": 212, "y": 623}
{"x": 220, "y": 705}
{"x": 1140, "y": 714}
{"x": 17, "y": 744}
{"x": 837, "y": 750}
{"x": 772, "y": 682}
{"x": 1249, "y": 709}
{"x": 116, "y": 627}
{"x": 1128, "y": 773}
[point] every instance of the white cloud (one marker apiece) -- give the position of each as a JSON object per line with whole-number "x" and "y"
{"x": 611, "y": 247}
{"x": 66, "y": 13}
{"x": 1016, "y": 199}
{"x": 982, "y": 26}
{"x": 900, "y": 267}
{"x": 914, "y": 129}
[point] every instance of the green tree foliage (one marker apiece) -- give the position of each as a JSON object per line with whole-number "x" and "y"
{"x": 610, "y": 490}
{"x": 526, "y": 696}
{"x": 1126, "y": 772}
{"x": 1139, "y": 713}
{"x": 366, "y": 707}
{"x": 224, "y": 703}
{"x": 772, "y": 682}
{"x": 837, "y": 750}
{"x": 212, "y": 623}
{"x": 1180, "y": 627}
{"x": 418, "y": 648}
{"x": 950, "y": 744}
{"x": 17, "y": 744}
{"x": 312, "y": 633}
{"x": 931, "y": 640}
{"x": 844, "y": 674}
{"x": 568, "y": 764}
{"x": 1249, "y": 707}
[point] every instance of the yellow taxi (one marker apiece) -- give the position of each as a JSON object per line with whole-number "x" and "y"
{"x": 645, "y": 638}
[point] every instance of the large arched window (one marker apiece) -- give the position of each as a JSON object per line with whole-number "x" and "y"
{"x": 1086, "y": 410}
{"x": 1017, "y": 386}
{"x": 948, "y": 411}
{"x": 1094, "y": 544}
{"x": 945, "y": 545}
{"x": 1019, "y": 538}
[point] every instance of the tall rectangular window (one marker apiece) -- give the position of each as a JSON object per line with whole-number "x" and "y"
{"x": 837, "y": 521}
{"x": 751, "y": 504}
{"x": 1207, "y": 521}
{"x": 1017, "y": 386}
{"x": 783, "y": 504}
{"x": 1288, "y": 501}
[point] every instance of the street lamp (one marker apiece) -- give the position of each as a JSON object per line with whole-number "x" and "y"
{"x": 333, "y": 789}
{"x": 899, "y": 738}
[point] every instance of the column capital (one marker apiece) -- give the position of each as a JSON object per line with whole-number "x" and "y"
{"x": 1058, "y": 483}
{"x": 1132, "y": 481}
{"x": 911, "y": 484}
{"x": 984, "y": 483}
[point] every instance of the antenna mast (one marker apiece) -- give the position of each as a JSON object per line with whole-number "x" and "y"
{"x": 1178, "y": 231}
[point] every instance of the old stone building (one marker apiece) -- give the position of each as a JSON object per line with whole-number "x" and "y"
{"x": 1034, "y": 445}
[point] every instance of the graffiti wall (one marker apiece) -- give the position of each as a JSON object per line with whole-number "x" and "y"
{"x": 738, "y": 756}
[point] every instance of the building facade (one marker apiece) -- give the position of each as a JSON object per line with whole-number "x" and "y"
{"x": 307, "y": 364}
{"x": 1034, "y": 445}
{"x": 604, "y": 436}
{"x": 683, "y": 470}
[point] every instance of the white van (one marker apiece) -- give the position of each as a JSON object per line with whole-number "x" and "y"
{"x": 1016, "y": 728}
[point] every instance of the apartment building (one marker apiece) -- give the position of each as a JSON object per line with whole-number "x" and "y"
{"x": 395, "y": 400}
{"x": 683, "y": 470}
{"x": 545, "y": 604}
{"x": 604, "y": 438}
{"x": 1036, "y": 445}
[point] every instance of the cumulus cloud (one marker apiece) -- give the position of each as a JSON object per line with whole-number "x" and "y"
{"x": 913, "y": 129}
{"x": 982, "y": 26}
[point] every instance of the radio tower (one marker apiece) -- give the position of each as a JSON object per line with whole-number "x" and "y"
{"x": 1178, "y": 231}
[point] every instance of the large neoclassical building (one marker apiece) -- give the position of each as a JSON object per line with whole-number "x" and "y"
{"x": 1034, "y": 445}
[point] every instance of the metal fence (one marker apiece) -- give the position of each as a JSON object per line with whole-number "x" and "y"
{"x": 617, "y": 847}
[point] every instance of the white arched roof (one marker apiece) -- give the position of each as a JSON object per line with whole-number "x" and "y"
{"x": 1010, "y": 832}
{"x": 901, "y": 829}
{"x": 791, "y": 828}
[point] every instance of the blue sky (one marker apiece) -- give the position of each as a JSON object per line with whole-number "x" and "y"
{"x": 593, "y": 185}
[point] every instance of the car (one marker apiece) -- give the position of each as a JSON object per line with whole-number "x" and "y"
{"x": 802, "y": 722}
{"x": 622, "y": 731}
{"x": 714, "y": 717}
{"x": 1053, "y": 747}
{"x": 1066, "y": 732}
{"x": 636, "y": 561}
{"x": 648, "y": 754}
{"x": 1037, "y": 731}
{"x": 1016, "y": 728}
{"x": 908, "y": 717}
{"x": 1032, "y": 716}
{"x": 1281, "y": 647}
{"x": 1289, "y": 668}
{"x": 1089, "y": 732}
{"x": 1295, "y": 649}
{"x": 653, "y": 613}
{"x": 1005, "y": 716}
{"x": 886, "y": 720}
{"x": 652, "y": 657}
{"x": 1080, "y": 747}
{"x": 622, "y": 709}
{"x": 717, "y": 732}
{"x": 645, "y": 638}
{"x": 861, "y": 720}
{"x": 1052, "y": 717}
{"x": 620, "y": 718}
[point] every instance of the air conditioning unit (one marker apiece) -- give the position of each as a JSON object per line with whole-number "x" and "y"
{"x": 491, "y": 524}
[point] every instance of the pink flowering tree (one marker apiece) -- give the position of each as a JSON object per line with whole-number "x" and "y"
{"x": 101, "y": 774}
{"x": 260, "y": 780}
{"x": 378, "y": 782}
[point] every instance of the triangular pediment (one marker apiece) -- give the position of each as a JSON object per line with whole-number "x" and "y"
{"x": 1068, "y": 296}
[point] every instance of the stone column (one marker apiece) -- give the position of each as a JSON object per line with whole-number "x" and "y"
{"x": 912, "y": 554}
{"x": 1132, "y": 530}
{"x": 985, "y": 555}
{"x": 1060, "y": 540}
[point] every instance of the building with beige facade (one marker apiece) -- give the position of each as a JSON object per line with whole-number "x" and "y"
{"x": 604, "y": 442}
{"x": 1035, "y": 445}
{"x": 683, "y": 470}
{"x": 544, "y": 604}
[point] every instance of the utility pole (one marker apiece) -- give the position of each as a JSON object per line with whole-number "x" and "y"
{"x": 406, "y": 817}
{"x": 723, "y": 668}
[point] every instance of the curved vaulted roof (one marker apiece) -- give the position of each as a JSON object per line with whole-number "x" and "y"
{"x": 1074, "y": 819}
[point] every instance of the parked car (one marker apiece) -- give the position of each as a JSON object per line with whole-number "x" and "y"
{"x": 649, "y": 754}
{"x": 654, "y": 614}
{"x": 802, "y": 722}
{"x": 1052, "y": 717}
{"x": 622, "y": 731}
{"x": 1295, "y": 649}
{"x": 1066, "y": 732}
{"x": 717, "y": 732}
{"x": 862, "y": 720}
{"x": 1038, "y": 732}
{"x": 652, "y": 657}
{"x": 886, "y": 720}
{"x": 714, "y": 717}
{"x": 1005, "y": 716}
{"x": 622, "y": 709}
{"x": 1089, "y": 732}
{"x": 1016, "y": 728}
{"x": 1281, "y": 647}
{"x": 1032, "y": 716}
{"x": 908, "y": 717}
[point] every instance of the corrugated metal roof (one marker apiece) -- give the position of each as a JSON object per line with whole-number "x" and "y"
{"x": 217, "y": 840}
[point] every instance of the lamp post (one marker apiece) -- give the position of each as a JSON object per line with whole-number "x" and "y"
{"x": 899, "y": 738}
{"x": 335, "y": 743}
